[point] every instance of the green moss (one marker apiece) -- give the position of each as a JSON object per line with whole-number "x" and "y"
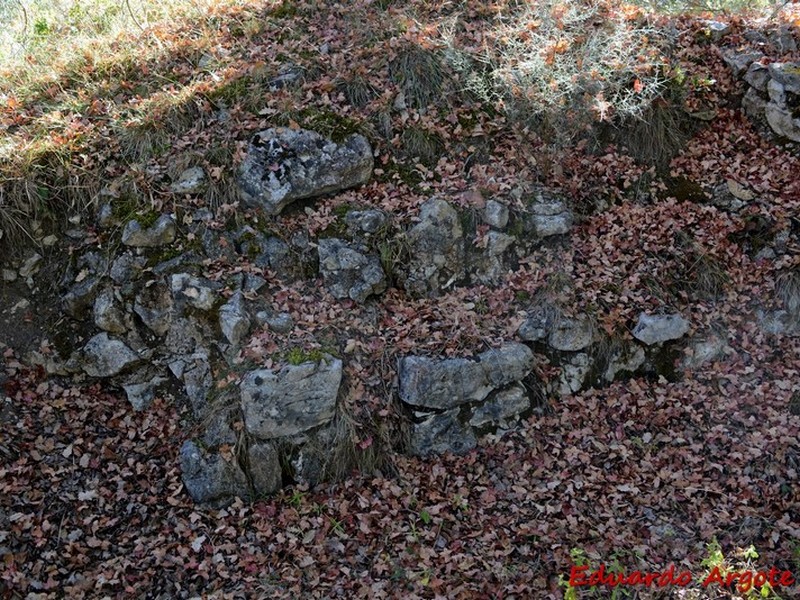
{"x": 229, "y": 91}
{"x": 522, "y": 296}
{"x": 328, "y": 123}
{"x": 286, "y": 10}
{"x": 297, "y": 356}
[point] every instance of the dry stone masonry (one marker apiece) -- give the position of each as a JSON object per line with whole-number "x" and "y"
{"x": 284, "y": 165}
{"x": 158, "y": 324}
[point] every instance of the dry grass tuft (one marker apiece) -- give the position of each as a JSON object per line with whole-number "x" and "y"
{"x": 420, "y": 73}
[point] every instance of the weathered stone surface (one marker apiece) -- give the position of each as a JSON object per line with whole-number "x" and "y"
{"x": 754, "y": 105}
{"x": 717, "y": 29}
{"x": 787, "y": 75}
{"x": 265, "y": 468}
{"x": 104, "y": 356}
{"x": 501, "y": 408}
{"x": 705, "y": 349}
{"x": 141, "y": 395}
{"x": 773, "y": 97}
{"x": 365, "y": 222}
{"x": 196, "y": 291}
{"x": 758, "y": 76}
{"x": 126, "y": 268}
{"x": 495, "y": 214}
{"x": 488, "y": 267}
{"x": 209, "y": 477}
{"x": 441, "y": 433}
{"x": 655, "y": 329}
{"x": 443, "y": 384}
{"x": 280, "y": 323}
{"x": 348, "y": 273}
{"x": 740, "y": 61}
{"x": 284, "y": 165}
{"x": 80, "y": 297}
{"x": 108, "y": 315}
{"x": 574, "y": 371}
{"x": 624, "y": 359}
{"x": 549, "y": 216}
{"x": 195, "y": 372}
{"x": 31, "y": 265}
{"x": 190, "y": 181}
{"x": 162, "y": 232}
{"x": 538, "y": 325}
{"x": 290, "y": 401}
{"x": 436, "y": 245}
{"x": 154, "y": 305}
{"x": 571, "y": 335}
{"x": 234, "y": 321}
{"x": 782, "y": 122}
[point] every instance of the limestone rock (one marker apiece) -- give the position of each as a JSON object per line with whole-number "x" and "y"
{"x": 571, "y": 335}
{"x": 162, "y": 232}
{"x": 655, "y": 329}
{"x": 209, "y": 477}
{"x": 624, "y": 359}
{"x": 441, "y": 433}
{"x": 348, "y": 273}
{"x": 443, "y": 384}
{"x": 31, "y": 265}
{"x": 284, "y": 165}
{"x": 190, "y": 181}
{"x": 104, "y": 356}
{"x": 549, "y": 216}
{"x": 108, "y": 315}
{"x": 436, "y": 245}
{"x": 292, "y": 400}
{"x": 495, "y": 214}
{"x": 538, "y": 325}
{"x": 154, "y": 305}
{"x": 502, "y": 408}
{"x": 265, "y": 468}
{"x": 196, "y": 291}
{"x": 740, "y": 61}
{"x": 488, "y": 268}
{"x": 80, "y": 297}
{"x": 574, "y": 371}
{"x": 126, "y": 268}
{"x": 234, "y": 320}
{"x": 365, "y": 222}
{"x": 141, "y": 395}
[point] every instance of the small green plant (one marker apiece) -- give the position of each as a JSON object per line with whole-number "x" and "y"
{"x": 297, "y": 498}
{"x": 336, "y": 525}
{"x": 425, "y": 516}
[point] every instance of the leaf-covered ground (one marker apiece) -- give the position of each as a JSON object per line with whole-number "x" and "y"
{"x": 642, "y": 473}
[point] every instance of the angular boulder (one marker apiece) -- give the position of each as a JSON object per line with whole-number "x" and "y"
{"x": 348, "y": 273}
{"x": 103, "y": 356}
{"x": 655, "y": 329}
{"x": 292, "y": 400}
{"x": 162, "y": 232}
{"x": 441, "y": 433}
{"x": 208, "y": 477}
{"x": 284, "y": 165}
{"x": 436, "y": 245}
{"x": 234, "y": 321}
{"x": 444, "y": 384}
